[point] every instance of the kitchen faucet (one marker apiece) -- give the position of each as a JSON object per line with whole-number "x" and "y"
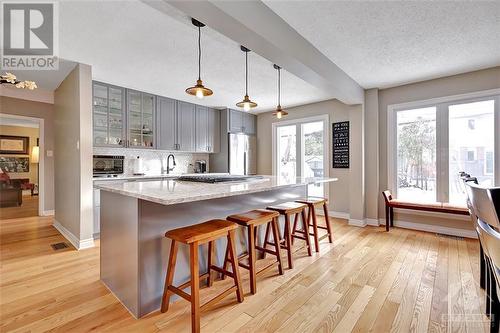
{"x": 168, "y": 163}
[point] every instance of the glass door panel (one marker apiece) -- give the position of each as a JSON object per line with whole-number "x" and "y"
{"x": 286, "y": 144}
{"x": 416, "y": 155}
{"x": 313, "y": 155}
{"x": 471, "y": 145}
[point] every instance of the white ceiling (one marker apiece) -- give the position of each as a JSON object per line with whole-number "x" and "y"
{"x": 131, "y": 44}
{"x": 388, "y": 43}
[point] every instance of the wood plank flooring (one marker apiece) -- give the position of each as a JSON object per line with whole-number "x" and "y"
{"x": 368, "y": 280}
{"x": 28, "y": 208}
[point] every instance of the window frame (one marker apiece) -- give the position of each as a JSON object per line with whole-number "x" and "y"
{"x": 442, "y": 137}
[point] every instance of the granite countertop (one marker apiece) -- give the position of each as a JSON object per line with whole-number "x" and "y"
{"x": 149, "y": 176}
{"x": 172, "y": 191}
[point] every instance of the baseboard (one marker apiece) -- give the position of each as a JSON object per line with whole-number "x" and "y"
{"x": 337, "y": 215}
{"x": 77, "y": 243}
{"x": 357, "y": 223}
{"x": 372, "y": 222}
{"x": 434, "y": 228}
{"x": 48, "y": 212}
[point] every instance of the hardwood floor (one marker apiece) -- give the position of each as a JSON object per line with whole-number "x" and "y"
{"x": 369, "y": 280}
{"x": 27, "y": 209}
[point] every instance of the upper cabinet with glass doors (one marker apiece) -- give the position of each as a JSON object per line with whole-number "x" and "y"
{"x": 109, "y": 115}
{"x": 141, "y": 113}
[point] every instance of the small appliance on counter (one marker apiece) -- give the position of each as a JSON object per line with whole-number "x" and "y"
{"x": 200, "y": 166}
{"x": 107, "y": 165}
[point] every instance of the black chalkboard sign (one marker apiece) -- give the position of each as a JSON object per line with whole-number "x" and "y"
{"x": 341, "y": 144}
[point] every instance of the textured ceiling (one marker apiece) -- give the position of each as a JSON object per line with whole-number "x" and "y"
{"x": 388, "y": 43}
{"x": 131, "y": 44}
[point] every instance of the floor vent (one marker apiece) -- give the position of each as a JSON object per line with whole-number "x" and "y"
{"x": 450, "y": 236}
{"x": 59, "y": 246}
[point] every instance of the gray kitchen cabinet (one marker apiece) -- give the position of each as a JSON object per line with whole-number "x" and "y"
{"x": 241, "y": 122}
{"x": 166, "y": 124}
{"x": 108, "y": 110}
{"x": 141, "y": 119}
{"x": 186, "y": 135}
{"x": 202, "y": 129}
{"x": 235, "y": 121}
{"x": 213, "y": 130}
{"x": 248, "y": 123}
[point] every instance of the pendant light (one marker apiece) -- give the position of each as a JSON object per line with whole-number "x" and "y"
{"x": 199, "y": 90}
{"x": 246, "y": 103}
{"x": 11, "y": 79}
{"x": 279, "y": 113}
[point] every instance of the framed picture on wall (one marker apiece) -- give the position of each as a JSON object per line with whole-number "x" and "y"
{"x": 10, "y": 144}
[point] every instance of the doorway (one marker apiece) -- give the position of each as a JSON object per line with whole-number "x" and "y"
{"x": 21, "y": 167}
{"x": 300, "y": 149}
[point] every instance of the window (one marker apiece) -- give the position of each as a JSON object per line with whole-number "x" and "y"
{"x": 429, "y": 143}
{"x": 300, "y": 150}
{"x": 416, "y": 157}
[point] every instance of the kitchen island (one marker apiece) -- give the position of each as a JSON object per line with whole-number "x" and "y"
{"x": 135, "y": 216}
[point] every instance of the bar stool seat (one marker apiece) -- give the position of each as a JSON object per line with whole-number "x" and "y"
{"x": 195, "y": 235}
{"x": 288, "y": 209}
{"x": 312, "y": 221}
{"x": 251, "y": 220}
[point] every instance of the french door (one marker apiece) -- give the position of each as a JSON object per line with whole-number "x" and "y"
{"x": 300, "y": 149}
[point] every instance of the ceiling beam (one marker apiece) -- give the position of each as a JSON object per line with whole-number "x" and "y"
{"x": 256, "y": 26}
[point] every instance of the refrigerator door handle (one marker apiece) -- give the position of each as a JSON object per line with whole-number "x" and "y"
{"x": 245, "y": 163}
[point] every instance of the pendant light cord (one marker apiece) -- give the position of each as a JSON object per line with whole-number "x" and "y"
{"x": 279, "y": 86}
{"x": 246, "y": 73}
{"x": 199, "y": 53}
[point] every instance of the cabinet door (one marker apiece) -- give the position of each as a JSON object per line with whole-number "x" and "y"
{"x": 248, "y": 123}
{"x": 166, "y": 124}
{"x": 108, "y": 109}
{"x": 185, "y": 126}
{"x": 213, "y": 130}
{"x": 141, "y": 119}
{"x": 235, "y": 121}
{"x": 201, "y": 129}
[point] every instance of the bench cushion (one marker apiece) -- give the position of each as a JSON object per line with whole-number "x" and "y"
{"x": 439, "y": 207}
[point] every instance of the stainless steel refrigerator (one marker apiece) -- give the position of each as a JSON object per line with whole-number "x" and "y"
{"x": 242, "y": 154}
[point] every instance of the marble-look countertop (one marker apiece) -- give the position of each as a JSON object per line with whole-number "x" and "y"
{"x": 149, "y": 176}
{"x": 172, "y": 191}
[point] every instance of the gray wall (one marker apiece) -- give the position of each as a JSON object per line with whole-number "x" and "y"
{"x": 73, "y": 161}
{"x": 45, "y": 111}
{"x": 340, "y": 196}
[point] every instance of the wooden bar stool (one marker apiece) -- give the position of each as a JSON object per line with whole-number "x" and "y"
{"x": 311, "y": 214}
{"x": 251, "y": 220}
{"x": 194, "y": 236}
{"x": 288, "y": 209}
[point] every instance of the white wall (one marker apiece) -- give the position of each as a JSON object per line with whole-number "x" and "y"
{"x": 340, "y": 191}
{"x": 73, "y": 158}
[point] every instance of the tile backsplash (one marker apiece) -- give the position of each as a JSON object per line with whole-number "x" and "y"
{"x": 152, "y": 159}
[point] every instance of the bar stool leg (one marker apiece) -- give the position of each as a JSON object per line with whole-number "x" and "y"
{"x": 251, "y": 259}
{"x": 312, "y": 211}
{"x": 276, "y": 236}
{"x": 170, "y": 276}
{"x": 210, "y": 259}
{"x": 234, "y": 264}
{"x": 295, "y": 222}
{"x": 328, "y": 223}
{"x": 306, "y": 234}
{"x": 226, "y": 261}
{"x": 288, "y": 240}
{"x": 195, "y": 288}
{"x": 266, "y": 239}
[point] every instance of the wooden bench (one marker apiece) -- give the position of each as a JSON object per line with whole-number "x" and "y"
{"x": 439, "y": 207}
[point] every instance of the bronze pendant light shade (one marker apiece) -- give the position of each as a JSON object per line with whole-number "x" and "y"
{"x": 246, "y": 103}
{"x": 199, "y": 90}
{"x": 279, "y": 113}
